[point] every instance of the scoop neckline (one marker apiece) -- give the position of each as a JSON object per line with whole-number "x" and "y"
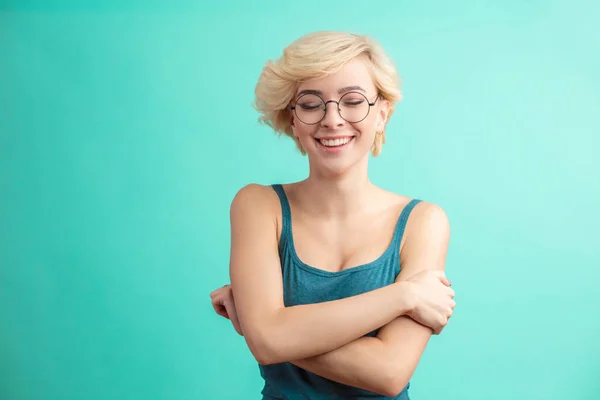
{"x": 353, "y": 269}
{"x": 357, "y": 268}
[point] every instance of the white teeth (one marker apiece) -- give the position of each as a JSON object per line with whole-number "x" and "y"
{"x": 334, "y": 142}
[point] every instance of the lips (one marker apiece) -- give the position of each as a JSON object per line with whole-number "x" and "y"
{"x": 334, "y": 144}
{"x": 334, "y": 141}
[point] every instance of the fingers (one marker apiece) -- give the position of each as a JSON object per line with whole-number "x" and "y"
{"x": 441, "y": 275}
{"x": 219, "y": 299}
{"x": 444, "y": 317}
{"x": 223, "y": 304}
{"x": 441, "y": 324}
{"x": 225, "y": 307}
{"x": 449, "y": 313}
{"x": 221, "y": 310}
{"x": 215, "y": 293}
{"x": 219, "y": 290}
{"x": 444, "y": 280}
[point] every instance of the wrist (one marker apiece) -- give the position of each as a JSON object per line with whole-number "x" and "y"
{"x": 405, "y": 300}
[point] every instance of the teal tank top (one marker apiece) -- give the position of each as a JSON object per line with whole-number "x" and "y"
{"x": 304, "y": 284}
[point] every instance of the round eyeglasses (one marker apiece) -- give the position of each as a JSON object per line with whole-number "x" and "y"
{"x": 353, "y": 107}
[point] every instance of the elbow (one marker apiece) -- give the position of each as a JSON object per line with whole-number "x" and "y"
{"x": 393, "y": 383}
{"x": 268, "y": 342}
{"x": 263, "y": 348}
{"x": 392, "y": 389}
{"x": 259, "y": 348}
{"x": 264, "y": 357}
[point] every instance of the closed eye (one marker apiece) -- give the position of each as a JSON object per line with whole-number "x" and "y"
{"x": 354, "y": 103}
{"x": 309, "y": 107}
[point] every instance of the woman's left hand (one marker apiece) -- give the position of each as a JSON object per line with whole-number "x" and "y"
{"x": 224, "y": 305}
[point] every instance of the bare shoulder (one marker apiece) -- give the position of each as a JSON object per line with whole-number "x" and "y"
{"x": 427, "y": 221}
{"x": 427, "y": 234}
{"x": 428, "y": 216}
{"x": 255, "y": 198}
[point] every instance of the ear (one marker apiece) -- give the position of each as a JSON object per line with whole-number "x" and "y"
{"x": 384, "y": 112}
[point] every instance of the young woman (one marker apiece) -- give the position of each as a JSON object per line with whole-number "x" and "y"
{"x": 338, "y": 284}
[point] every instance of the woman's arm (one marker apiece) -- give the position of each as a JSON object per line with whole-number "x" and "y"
{"x": 384, "y": 364}
{"x": 275, "y": 333}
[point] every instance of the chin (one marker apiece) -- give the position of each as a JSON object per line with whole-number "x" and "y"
{"x": 335, "y": 167}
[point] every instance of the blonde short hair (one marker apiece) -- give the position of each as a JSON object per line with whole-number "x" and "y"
{"x": 313, "y": 56}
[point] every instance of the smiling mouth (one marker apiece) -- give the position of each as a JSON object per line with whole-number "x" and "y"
{"x": 332, "y": 143}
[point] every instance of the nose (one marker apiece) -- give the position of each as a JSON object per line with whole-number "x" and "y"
{"x": 332, "y": 115}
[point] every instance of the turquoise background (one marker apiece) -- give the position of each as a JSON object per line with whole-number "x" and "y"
{"x": 126, "y": 129}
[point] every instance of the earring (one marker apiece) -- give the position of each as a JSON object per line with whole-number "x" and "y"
{"x": 378, "y": 143}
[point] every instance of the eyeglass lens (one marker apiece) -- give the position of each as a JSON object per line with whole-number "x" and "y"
{"x": 353, "y": 107}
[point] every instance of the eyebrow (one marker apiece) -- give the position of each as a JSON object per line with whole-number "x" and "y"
{"x": 340, "y": 91}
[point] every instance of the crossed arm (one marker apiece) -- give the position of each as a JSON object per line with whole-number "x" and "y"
{"x": 328, "y": 338}
{"x": 386, "y": 363}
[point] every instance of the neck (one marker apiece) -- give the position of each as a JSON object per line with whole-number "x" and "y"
{"x": 338, "y": 195}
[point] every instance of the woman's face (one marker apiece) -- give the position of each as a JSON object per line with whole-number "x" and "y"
{"x": 338, "y": 140}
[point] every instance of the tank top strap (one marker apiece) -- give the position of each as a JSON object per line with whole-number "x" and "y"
{"x": 402, "y": 220}
{"x": 286, "y": 216}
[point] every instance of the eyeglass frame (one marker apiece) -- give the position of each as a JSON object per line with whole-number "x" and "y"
{"x": 371, "y": 104}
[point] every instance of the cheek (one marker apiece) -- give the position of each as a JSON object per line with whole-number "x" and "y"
{"x": 304, "y": 132}
{"x": 366, "y": 129}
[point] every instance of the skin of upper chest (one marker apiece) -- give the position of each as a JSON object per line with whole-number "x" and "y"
{"x": 335, "y": 245}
